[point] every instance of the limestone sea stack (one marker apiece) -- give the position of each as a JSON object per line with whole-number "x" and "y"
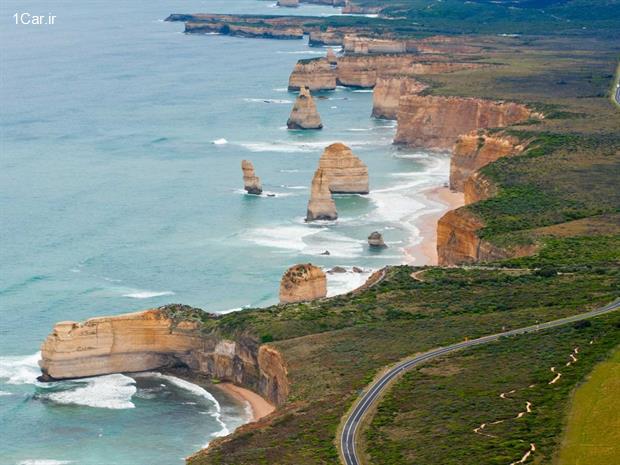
{"x": 331, "y": 57}
{"x": 251, "y": 182}
{"x": 315, "y": 74}
{"x": 387, "y": 93}
{"x": 375, "y": 240}
{"x": 347, "y": 174}
{"x": 321, "y": 206}
{"x": 304, "y": 114}
{"x": 434, "y": 122}
{"x": 302, "y": 283}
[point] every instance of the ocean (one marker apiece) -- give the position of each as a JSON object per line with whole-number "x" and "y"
{"x": 120, "y": 187}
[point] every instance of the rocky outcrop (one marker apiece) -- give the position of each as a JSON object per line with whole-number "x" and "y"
{"x": 332, "y": 59}
{"x": 478, "y": 188}
{"x": 262, "y": 31}
{"x": 436, "y": 122}
{"x": 302, "y": 283}
{"x": 387, "y": 93}
{"x": 363, "y": 70}
{"x": 251, "y": 182}
{"x": 321, "y": 206}
{"x": 304, "y": 114}
{"x": 367, "y": 45}
{"x": 328, "y": 37}
{"x": 288, "y": 3}
{"x": 315, "y": 74}
{"x": 458, "y": 241}
{"x": 476, "y": 149}
{"x": 375, "y": 240}
{"x": 347, "y": 174}
{"x": 161, "y": 338}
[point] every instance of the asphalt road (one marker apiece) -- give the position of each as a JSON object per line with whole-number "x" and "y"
{"x": 348, "y": 434}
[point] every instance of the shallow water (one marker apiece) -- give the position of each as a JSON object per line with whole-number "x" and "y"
{"x": 120, "y": 184}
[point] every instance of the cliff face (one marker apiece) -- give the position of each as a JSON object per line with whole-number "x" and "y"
{"x": 315, "y": 74}
{"x": 363, "y": 70}
{"x": 436, "y": 122}
{"x": 329, "y": 37}
{"x": 251, "y": 182}
{"x": 245, "y": 30}
{"x": 153, "y": 339}
{"x": 347, "y": 174}
{"x": 304, "y": 114}
{"x": 387, "y": 93}
{"x": 477, "y": 188}
{"x": 321, "y": 206}
{"x": 474, "y": 150}
{"x": 302, "y": 283}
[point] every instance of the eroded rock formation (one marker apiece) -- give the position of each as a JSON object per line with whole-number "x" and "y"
{"x": 387, "y": 93}
{"x": 304, "y": 114}
{"x": 302, "y": 283}
{"x": 328, "y": 37}
{"x": 436, "y": 122}
{"x": 331, "y": 58}
{"x": 347, "y": 174}
{"x": 367, "y": 45}
{"x": 477, "y": 188}
{"x": 160, "y": 338}
{"x": 476, "y": 149}
{"x": 315, "y": 74}
{"x": 251, "y": 182}
{"x": 375, "y": 240}
{"x": 321, "y": 206}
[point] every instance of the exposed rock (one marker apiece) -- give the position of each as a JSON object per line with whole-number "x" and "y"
{"x": 304, "y": 114}
{"x": 315, "y": 74}
{"x": 436, "y": 122}
{"x": 375, "y": 240}
{"x": 387, "y": 93}
{"x": 302, "y": 283}
{"x": 251, "y": 182}
{"x": 356, "y": 269}
{"x": 478, "y": 188}
{"x": 160, "y": 338}
{"x": 321, "y": 206}
{"x": 337, "y": 269}
{"x": 288, "y": 3}
{"x": 367, "y": 45}
{"x": 347, "y": 174}
{"x": 325, "y": 253}
{"x": 332, "y": 59}
{"x": 329, "y": 37}
{"x": 474, "y": 150}
{"x": 245, "y": 30}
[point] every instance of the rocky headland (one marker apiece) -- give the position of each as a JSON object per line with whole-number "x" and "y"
{"x": 434, "y": 122}
{"x": 347, "y": 174}
{"x": 321, "y": 206}
{"x": 387, "y": 93}
{"x": 251, "y": 182}
{"x": 302, "y": 283}
{"x": 315, "y": 74}
{"x": 304, "y": 114}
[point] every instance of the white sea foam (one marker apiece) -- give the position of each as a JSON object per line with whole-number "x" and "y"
{"x": 109, "y": 391}
{"x": 363, "y": 91}
{"x": 269, "y": 194}
{"x": 301, "y": 147}
{"x": 43, "y": 462}
{"x": 21, "y": 369}
{"x": 341, "y": 283}
{"x": 5, "y": 393}
{"x": 288, "y": 237}
{"x": 294, "y": 187}
{"x": 281, "y": 89}
{"x": 267, "y": 100}
{"x": 139, "y": 294}
{"x": 221, "y": 141}
{"x": 289, "y": 171}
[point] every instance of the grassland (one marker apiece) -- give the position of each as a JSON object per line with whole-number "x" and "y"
{"x": 593, "y": 431}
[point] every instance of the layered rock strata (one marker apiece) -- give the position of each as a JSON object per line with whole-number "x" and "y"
{"x": 315, "y": 74}
{"x": 477, "y": 188}
{"x": 366, "y": 45}
{"x": 476, "y": 149}
{"x": 251, "y": 182}
{"x": 436, "y": 122}
{"x": 302, "y": 283}
{"x": 304, "y": 114}
{"x": 375, "y": 240}
{"x": 387, "y": 93}
{"x": 161, "y": 338}
{"x": 347, "y": 174}
{"x": 321, "y": 206}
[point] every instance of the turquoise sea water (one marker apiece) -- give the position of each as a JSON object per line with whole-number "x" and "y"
{"x": 120, "y": 189}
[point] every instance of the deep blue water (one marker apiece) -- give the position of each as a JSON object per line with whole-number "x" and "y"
{"x": 114, "y": 197}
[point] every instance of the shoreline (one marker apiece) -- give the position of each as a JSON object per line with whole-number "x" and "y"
{"x": 425, "y": 252}
{"x": 259, "y": 406}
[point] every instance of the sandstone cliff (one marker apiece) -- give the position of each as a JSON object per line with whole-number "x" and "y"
{"x": 477, "y": 188}
{"x": 304, "y": 114}
{"x": 328, "y": 37}
{"x": 321, "y": 206}
{"x": 302, "y": 283}
{"x": 387, "y": 93}
{"x": 331, "y": 58}
{"x": 316, "y": 74}
{"x": 436, "y": 122}
{"x": 251, "y": 182}
{"x": 347, "y": 174}
{"x": 367, "y": 45}
{"x": 476, "y": 149}
{"x": 160, "y": 338}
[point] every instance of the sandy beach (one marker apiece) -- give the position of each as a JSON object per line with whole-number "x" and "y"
{"x": 442, "y": 200}
{"x": 260, "y": 407}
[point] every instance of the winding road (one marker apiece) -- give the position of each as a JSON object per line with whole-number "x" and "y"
{"x": 352, "y": 422}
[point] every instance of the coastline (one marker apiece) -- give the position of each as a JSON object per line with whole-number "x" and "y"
{"x": 260, "y": 407}
{"x": 425, "y": 251}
